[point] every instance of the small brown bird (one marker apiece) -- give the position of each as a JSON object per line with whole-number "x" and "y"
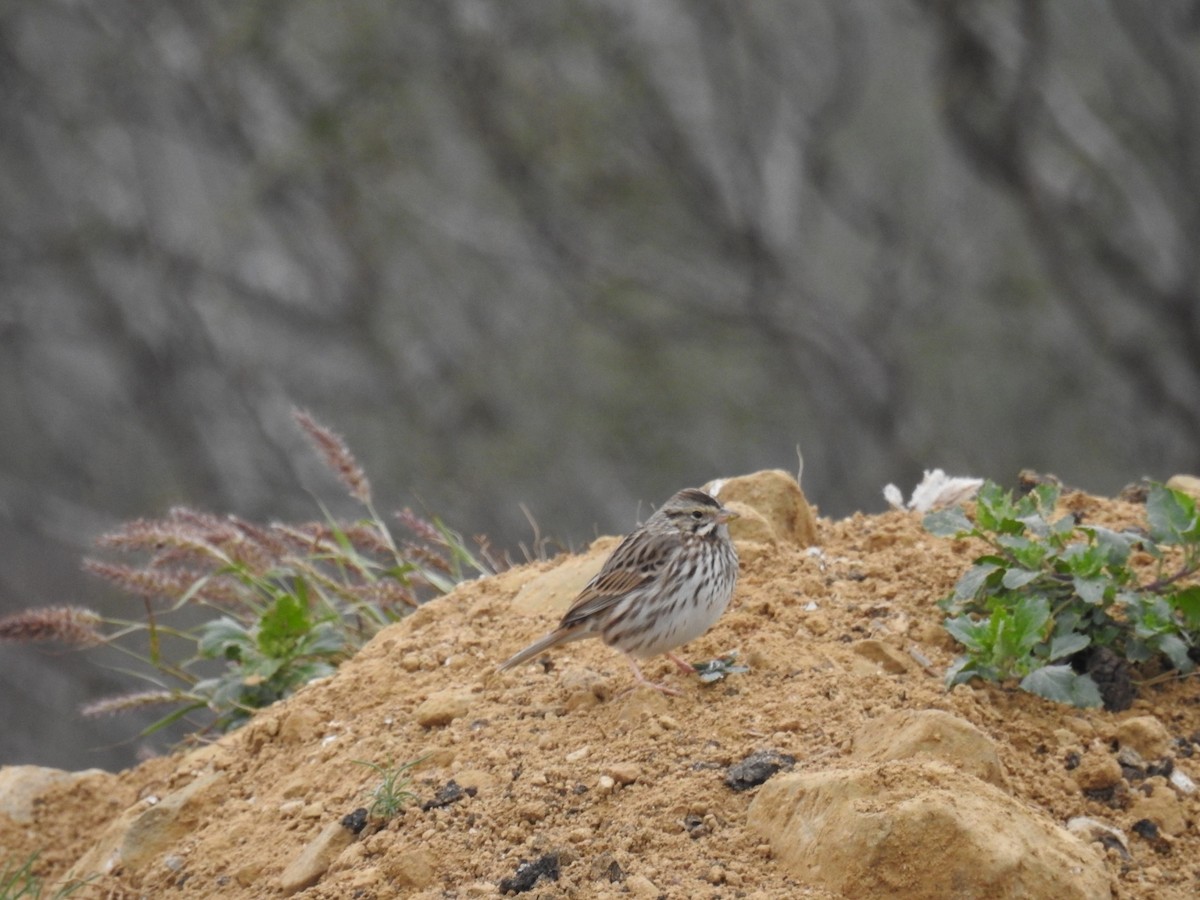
{"x": 665, "y": 584}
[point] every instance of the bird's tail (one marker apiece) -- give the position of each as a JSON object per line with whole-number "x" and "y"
{"x": 553, "y": 639}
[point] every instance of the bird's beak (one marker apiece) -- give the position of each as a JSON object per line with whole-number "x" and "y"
{"x": 726, "y": 514}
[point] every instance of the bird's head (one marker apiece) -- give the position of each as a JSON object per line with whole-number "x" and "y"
{"x": 694, "y": 512}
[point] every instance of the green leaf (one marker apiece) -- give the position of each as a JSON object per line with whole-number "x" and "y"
{"x": 1046, "y": 495}
{"x": 971, "y": 634}
{"x": 950, "y": 523}
{"x": 1017, "y": 578}
{"x": 1114, "y": 546}
{"x": 1067, "y": 645}
{"x": 1176, "y": 650}
{"x": 992, "y": 506}
{"x": 961, "y": 671}
{"x": 1083, "y": 559}
{"x": 972, "y": 582}
{"x": 326, "y": 639}
{"x": 1187, "y": 603}
{"x": 1091, "y": 590}
{"x": 1027, "y": 554}
{"x": 1171, "y": 516}
{"x": 1029, "y": 618}
{"x": 224, "y": 639}
{"x": 282, "y": 627}
{"x": 1063, "y": 684}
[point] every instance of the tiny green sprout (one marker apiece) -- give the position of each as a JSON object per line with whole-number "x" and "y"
{"x": 712, "y": 670}
{"x": 390, "y": 795}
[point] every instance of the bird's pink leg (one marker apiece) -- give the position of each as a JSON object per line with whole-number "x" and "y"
{"x": 684, "y": 666}
{"x": 642, "y": 679}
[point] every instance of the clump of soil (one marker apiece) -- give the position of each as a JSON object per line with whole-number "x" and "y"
{"x": 554, "y": 780}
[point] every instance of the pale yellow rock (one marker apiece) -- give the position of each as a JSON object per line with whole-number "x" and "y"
{"x": 1188, "y": 484}
{"x": 442, "y": 708}
{"x": 750, "y": 526}
{"x": 146, "y": 830}
{"x": 553, "y": 591}
{"x": 474, "y": 779}
{"x": 166, "y": 823}
{"x": 641, "y": 886}
{"x": 776, "y": 497}
{"x": 21, "y": 786}
{"x": 1097, "y": 771}
{"x": 409, "y": 868}
{"x": 885, "y": 656}
{"x": 1145, "y": 734}
{"x": 314, "y": 860}
{"x": 1163, "y": 808}
{"x": 300, "y": 725}
{"x": 922, "y": 831}
{"x": 930, "y": 734}
{"x": 624, "y": 773}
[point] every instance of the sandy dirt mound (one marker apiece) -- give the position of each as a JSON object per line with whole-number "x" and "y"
{"x": 551, "y": 778}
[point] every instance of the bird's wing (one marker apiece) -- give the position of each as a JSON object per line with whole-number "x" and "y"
{"x": 635, "y": 563}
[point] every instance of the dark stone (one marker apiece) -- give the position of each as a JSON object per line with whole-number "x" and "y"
{"x": 448, "y": 793}
{"x": 1163, "y": 767}
{"x": 757, "y": 768}
{"x": 528, "y": 873}
{"x": 355, "y": 821}
{"x": 1145, "y": 828}
{"x": 1111, "y": 674}
{"x": 1148, "y": 831}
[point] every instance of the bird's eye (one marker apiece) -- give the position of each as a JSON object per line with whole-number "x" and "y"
{"x": 696, "y": 514}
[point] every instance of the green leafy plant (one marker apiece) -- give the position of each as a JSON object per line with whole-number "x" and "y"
{"x": 1048, "y": 590}
{"x": 277, "y": 605}
{"x": 389, "y": 796}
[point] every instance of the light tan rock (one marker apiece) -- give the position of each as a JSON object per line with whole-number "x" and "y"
{"x": 442, "y": 708}
{"x": 776, "y": 497}
{"x": 624, "y": 773}
{"x": 1163, "y": 808}
{"x": 930, "y": 734}
{"x": 1188, "y": 484}
{"x": 1100, "y": 832}
{"x": 553, "y": 591}
{"x": 1146, "y": 735}
{"x": 299, "y": 725}
{"x": 409, "y": 868}
{"x": 166, "y": 823}
{"x": 146, "y": 830}
{"x": 1098, "y": 770}
{"x": 641, "y": 886}
{"x": 750, "y": 526}
{"x": 21, "y": 786}
{"x": 314, "y": 860}
{"x": 919, "y": 830}
{"x": 475, "y": 779}
{"x": 885, "y": 656}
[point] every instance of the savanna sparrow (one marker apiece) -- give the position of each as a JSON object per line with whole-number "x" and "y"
{"x": 665, "y": 584}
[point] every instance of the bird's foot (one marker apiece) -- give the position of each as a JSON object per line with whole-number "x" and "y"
{"x": 684, "y": 666}
{"x": 643, "y": 681}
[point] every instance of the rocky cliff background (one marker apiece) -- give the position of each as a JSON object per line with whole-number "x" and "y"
{"x": 571, "y": 260}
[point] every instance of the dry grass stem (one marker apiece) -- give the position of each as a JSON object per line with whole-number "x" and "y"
{"x": 108, "y": 706}
{"x": 150, "y": 583}
{"x": 66, "y": 624}
{"x": 337, "y": 456}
